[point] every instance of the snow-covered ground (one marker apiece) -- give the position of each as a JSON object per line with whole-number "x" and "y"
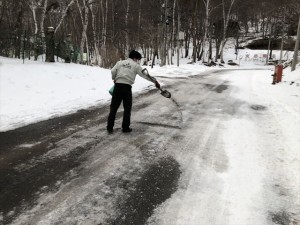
{"x": 35, "y": 91}
{"x": 248, "y": 173}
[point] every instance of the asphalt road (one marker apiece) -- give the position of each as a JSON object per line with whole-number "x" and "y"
{"x": 68, "y": 170}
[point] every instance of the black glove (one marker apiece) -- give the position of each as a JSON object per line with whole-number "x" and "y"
{"x": 157, "y": 85}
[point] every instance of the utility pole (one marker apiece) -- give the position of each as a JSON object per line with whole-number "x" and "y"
{"x": 296, "y": 47}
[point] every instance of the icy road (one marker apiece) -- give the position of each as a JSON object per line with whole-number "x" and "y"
{"x": 216, "y": 153}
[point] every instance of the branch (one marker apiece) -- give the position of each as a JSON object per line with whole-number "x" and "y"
{"x": 63, "y": 15}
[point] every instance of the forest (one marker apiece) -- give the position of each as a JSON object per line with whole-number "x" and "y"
{"x": 100, "y": 32}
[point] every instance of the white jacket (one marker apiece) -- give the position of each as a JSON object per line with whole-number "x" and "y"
{"x": 125, "y": 71}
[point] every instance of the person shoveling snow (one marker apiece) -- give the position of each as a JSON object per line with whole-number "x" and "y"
{"x": 123, "y": 75}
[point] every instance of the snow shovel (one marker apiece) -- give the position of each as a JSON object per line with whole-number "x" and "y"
{"x": 164, "y": 93}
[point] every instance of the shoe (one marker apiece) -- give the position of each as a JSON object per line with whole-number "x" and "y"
{"x": 127, "y": 130}
{"x": 110, "y": 131}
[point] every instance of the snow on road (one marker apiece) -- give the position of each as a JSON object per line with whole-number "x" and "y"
{"x": 244, "y": 168}
{"x": 264, "y": 152}
{"x": 240, "y": 158}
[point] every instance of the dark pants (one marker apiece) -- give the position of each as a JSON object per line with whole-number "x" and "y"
{"x": 122, "y": 92}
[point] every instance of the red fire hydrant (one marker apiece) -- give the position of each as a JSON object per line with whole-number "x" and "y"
{"x": 277, "y": 77}
{"x": 279, "y": 69}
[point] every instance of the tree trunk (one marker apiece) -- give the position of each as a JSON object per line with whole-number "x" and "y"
{"x": 63, "y": 15}
{"x": 96, "y": 44}
{"x": 217, "y": 49}
{"x": 295, "y": 57}
{"x": 187, "y": 45}
{"x": 173, "y": 30}
{"x": 139, "y": 22}
{"x": 226, "y": 17}
{"x": 127, "y": 44}
{"x": 178, "y": 30}
{"x": 210, "y": 51}
{"x": 50, "y": 45}
{"x": 84, "y": 20}
{"x": 195, "y": 30}
{"x": 42, "y": 29}
{"x": 204, "y": 42}
{"x": 36, "y": 30}
{"x": 155, "y": 53}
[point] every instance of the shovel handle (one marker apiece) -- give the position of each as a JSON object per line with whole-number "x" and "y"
{"x": 164, "y": 93}
{"x": 151, "y": 78}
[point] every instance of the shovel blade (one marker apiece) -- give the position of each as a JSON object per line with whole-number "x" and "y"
{"x": 165, "y": 93}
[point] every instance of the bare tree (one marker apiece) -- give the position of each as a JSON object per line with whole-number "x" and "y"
{"x": 227, "y": 9}
{"x": 63, "y": 15}
{"x": 84, "y": 15}
{"x": 126, "y": 26}
{"x": 96, "y": 53}
{"x": 106, "y": 30}
{"x": 33, "y": 5}
{"x": 295, "y": 58}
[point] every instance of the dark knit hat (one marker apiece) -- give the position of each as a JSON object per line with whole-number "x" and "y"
{"x": 135, "y": 55}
